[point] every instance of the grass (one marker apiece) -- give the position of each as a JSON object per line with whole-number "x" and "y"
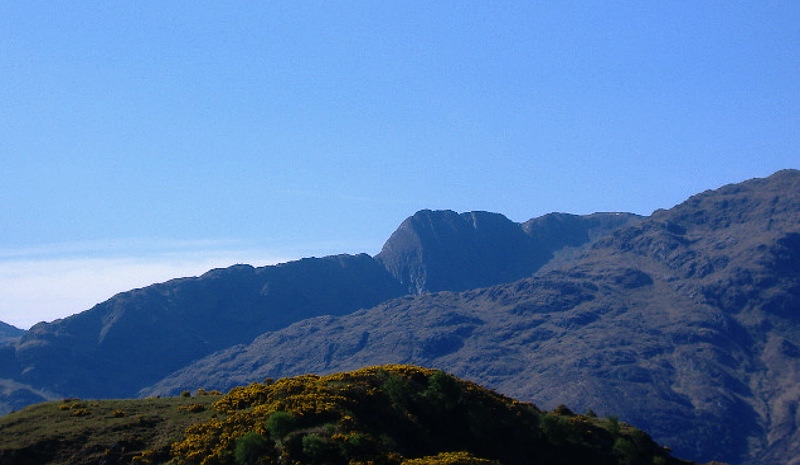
{"x": 75, "y": 431}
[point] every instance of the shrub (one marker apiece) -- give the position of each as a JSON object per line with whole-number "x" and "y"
{"x": 318, "y": 448}
{"x": 280, "y": 423}
{"x": 186, "y": 394}
{"x": 443, "y": 390}
{"x": 250, "y": 448}
{"x": 145, "y": 458}
{"x": 626, "y": 451}
{"x": 613, "y": 425}
{"x": 450, "y": 458}
{"x": 563, "y": 410}
{"x": 357, "y": 443}
{"x": 397, "y": 389}
{"x": 192, "y": 408}
{"x": 554, "y": 428}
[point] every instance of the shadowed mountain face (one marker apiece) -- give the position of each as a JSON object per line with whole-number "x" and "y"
{"x": 686, "y": 324}
{"x": 444, "y": 250}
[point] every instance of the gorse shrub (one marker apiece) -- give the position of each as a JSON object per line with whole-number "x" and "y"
{"x": 400, "y": 415}
{"x": 450, "y": 458}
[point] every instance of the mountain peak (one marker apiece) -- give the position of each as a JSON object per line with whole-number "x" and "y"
{"x": 443, "y": 250}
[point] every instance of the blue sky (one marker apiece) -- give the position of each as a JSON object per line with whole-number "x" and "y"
{"x": 146, "y": 140}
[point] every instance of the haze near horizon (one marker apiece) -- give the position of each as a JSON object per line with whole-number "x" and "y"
{"x": 141, "y": 141}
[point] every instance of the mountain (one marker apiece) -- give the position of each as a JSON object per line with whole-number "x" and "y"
{"x": 396, "y": 415}
{"x": 443, "y": 250}
{"x": 137, "y": 337}
{"x": 13, "y": 394}
{"x": 134, "y": 339}
{"x": 9, "y": 333}
{"x": 686, "y": 324}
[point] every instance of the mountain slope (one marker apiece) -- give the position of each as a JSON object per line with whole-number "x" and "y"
{"x": 137, "y": 337}
{"x": 9, "y": 333}
{"x": 686, "y": 324}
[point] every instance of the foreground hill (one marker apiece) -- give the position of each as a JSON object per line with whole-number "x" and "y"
{"x": 136, "y": 338}
{"x": 392, "y": 415}
{"x": 686, "y": 324}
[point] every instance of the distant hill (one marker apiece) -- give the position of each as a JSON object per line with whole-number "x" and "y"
{"x": 394, "y": 415}
{"x": 686, "y": 323}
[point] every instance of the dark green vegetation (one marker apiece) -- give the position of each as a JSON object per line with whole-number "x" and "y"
{"x": 388, "y": 415}
{"x": 685, "y": 323}
{"x": 75, "y": 431}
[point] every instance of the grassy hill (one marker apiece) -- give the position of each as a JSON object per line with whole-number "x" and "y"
{"x": 74, "y": 431}
{"x": 393, "y": 415}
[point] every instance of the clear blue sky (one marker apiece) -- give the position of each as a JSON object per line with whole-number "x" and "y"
{"x": 141, "y": 140}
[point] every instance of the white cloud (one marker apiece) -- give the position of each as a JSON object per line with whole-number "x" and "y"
{"x": 37, "y": 285}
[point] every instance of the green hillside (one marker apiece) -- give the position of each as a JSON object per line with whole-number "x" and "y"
{"x": 74, "y": 431}
{"x": 393, "y": 415}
